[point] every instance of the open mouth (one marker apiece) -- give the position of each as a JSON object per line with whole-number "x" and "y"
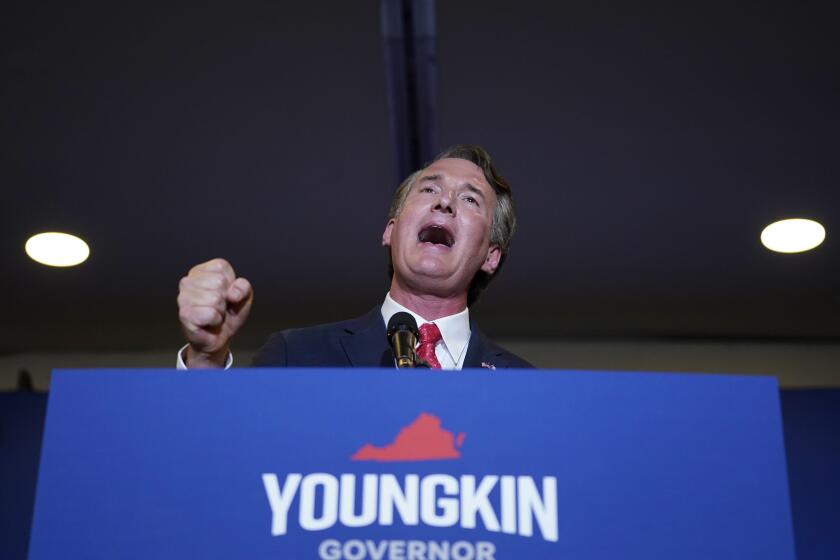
{"x": 436, "y": 235}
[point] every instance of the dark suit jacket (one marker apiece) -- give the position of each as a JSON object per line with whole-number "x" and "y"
{"x": 362, "y": 342}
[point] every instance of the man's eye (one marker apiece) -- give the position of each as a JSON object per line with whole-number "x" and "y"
{"x": 471, "y": 200}
{"x": 427, "y": 189}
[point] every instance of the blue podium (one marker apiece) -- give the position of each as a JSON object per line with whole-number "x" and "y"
{"x": 385, "y": 464}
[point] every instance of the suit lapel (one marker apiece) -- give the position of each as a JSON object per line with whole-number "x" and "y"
{"x": 480, "y": 353}
{"x": 365, "y": 342}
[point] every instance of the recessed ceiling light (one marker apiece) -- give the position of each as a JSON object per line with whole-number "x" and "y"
{"x": 793, "y": 236}
{"x": 57, "y": 249}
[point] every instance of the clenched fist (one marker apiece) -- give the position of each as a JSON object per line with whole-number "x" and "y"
{"x": 212, "y": 305}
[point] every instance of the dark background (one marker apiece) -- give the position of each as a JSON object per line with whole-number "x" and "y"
{"x": 647, "y": 144}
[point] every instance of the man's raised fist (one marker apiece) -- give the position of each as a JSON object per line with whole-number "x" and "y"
{"x": 212, "y": 305}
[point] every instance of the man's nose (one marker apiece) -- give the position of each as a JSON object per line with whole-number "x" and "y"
{"x": 444, "y": 202}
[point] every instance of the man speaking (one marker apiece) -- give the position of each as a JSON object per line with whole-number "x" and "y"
{"x": 448, "y": 232}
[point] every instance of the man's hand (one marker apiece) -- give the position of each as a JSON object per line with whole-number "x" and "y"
{"x": 212, "y": 305}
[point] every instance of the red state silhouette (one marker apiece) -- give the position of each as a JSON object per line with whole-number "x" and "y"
{"x": 422, "y": 440}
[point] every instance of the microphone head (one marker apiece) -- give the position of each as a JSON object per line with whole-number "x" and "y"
{"x": 402, "y": 321}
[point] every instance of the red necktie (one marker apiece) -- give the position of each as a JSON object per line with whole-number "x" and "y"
{"x": 429, "y": 337}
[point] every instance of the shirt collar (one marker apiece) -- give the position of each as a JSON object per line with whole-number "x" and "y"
{"x": 454, "y": 329}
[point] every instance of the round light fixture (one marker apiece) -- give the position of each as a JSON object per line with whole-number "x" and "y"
{"x": 793, "y": 236}
{"x": 57, "y": 249}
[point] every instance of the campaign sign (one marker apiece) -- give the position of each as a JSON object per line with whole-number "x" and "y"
{"x": 385, "y": 464}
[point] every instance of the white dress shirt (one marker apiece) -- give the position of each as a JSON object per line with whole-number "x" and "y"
{"x": 450, "y": 351}
{"x": 454, "y": 331}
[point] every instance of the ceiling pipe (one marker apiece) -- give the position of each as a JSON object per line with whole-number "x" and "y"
{"x": 409, "y": 40}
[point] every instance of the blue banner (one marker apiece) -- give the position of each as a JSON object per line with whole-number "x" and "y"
{"x": 384, "y": 464}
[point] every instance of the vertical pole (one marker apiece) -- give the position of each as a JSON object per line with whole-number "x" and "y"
{"x": 408, "y": 32}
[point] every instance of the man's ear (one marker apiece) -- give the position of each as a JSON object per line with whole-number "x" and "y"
{"x": 386, "y": 235}
{"x": 491, "y": 263}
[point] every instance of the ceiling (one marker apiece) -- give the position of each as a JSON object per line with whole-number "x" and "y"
{"x": 647, "y": 146}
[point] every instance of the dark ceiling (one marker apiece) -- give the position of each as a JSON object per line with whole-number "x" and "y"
{"x": 647, "y": 145}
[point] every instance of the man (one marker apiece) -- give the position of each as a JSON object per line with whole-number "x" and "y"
{"x": 448, "y": 233}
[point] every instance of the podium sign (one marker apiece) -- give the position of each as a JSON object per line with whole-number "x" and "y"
{"x": 384, "y": 464}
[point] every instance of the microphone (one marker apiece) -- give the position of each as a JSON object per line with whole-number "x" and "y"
{"x": 402, "y": 335}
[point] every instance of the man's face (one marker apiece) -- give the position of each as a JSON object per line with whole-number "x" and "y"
{"x": 441, "y": 237}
